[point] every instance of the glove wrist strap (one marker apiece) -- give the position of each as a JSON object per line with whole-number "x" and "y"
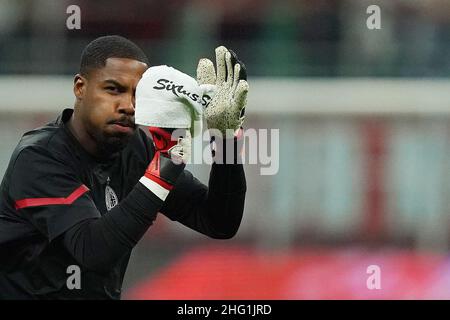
{"x": 155, "y": 188}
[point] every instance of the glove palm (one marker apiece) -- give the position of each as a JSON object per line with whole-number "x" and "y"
{"x": 226, "y": 108}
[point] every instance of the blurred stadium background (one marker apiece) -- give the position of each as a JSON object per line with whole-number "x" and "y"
{"x": 364, "y": 148}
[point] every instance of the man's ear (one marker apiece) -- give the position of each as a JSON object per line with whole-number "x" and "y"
{"x": 79, "y": 86}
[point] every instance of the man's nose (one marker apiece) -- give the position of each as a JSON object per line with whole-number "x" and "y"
{"x": 127, "y": 105}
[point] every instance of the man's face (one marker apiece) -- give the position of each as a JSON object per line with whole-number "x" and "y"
{"x": 106, "y": 100}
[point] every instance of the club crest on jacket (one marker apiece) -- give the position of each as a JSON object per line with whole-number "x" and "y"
{"x": 111, "y": 199}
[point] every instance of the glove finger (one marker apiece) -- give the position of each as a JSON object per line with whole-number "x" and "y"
{"x": 229, "y": 76}
{"x": 181, "y": 152}
{"x": 220, "y": 64}
{"x": 237, "y": 70}
{"x": 205, "y": 72}
{"x": 235, "y": 60}
{"x": 240, "y": 97}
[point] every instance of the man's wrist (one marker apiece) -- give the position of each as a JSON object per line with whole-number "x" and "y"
{"x": 227, "y": 149}
{"x": 142, "y": 202}
{"x": 154, "y": 187}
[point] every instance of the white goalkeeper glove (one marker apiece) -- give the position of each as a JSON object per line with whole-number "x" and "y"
{"x": 226, "y": 109}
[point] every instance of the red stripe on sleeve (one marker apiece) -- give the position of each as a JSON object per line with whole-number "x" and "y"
{"x": 34, "y": 202}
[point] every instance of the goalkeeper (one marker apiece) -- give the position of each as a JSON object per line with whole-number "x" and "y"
{"x": 83, "y": 189}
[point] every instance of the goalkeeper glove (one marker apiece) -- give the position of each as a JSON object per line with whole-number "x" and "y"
{"x": 168, "y": 162}
{"x": 226, "y": 109}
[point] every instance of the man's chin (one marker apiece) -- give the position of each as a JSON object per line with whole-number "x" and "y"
{"x": 113, "y": 145}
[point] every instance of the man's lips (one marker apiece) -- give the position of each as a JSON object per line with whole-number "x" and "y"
{"x": 123, "y": 126}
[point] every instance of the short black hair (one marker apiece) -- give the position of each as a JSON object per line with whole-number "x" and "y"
{"x": 113, "y": 46}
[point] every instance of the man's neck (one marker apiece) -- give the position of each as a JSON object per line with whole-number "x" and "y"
{"x": 78, "y": 130}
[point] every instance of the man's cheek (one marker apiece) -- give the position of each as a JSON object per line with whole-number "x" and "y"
{"x": 102, "y": 100}
{"x": 107, "y": 100}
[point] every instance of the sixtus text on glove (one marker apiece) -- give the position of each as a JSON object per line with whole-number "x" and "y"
{"x": 251, "y": 146}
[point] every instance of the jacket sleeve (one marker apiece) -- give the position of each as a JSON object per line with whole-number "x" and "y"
{"x": 48, "y": 193}
{"x": 215, "y": 210}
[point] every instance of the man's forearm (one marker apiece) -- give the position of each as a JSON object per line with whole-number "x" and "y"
{"x": 99, "y": 243}
{"x": 226, "y": 198}
{"x": 216, "y": 210}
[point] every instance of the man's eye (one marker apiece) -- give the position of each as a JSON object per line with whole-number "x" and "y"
{"x": 114, "y": 89}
